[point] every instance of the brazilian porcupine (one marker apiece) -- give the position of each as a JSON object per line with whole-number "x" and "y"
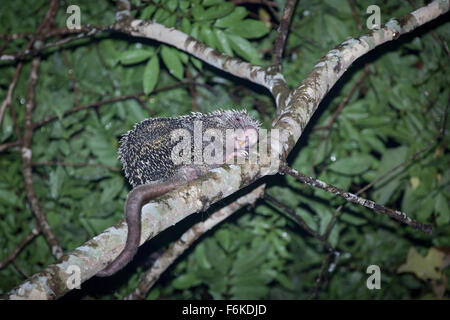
{"x": 148, "y": 161}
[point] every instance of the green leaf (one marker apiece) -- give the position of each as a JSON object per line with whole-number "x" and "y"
{"x": 8, "y": 197}
{"x": 352, "y": 219}
{"x": 56, "y": 181}
{"x": 185, "y": 281}
{"x": 426, "y": 209}
{"x": 207, "y": 3}
{"x": 249, "y": 29}
{"x": 213, "y": 12}
{"x": 207, "y": 36}
{"x": 441, "y": 207}
{"x": 354, "y": 165}
{"x": 147, "y": 12}
{"x": 308, "y": 218}
{"x": 374, "y": 142}
{"x": 161, "y": 15}
{"x": 135, "y": 56}
{"x": 244, "y": 49}
{"x": 196, "y": 62}
{"x": 384, "y": 193}
{"x": 153, "y": 294}
{"x": 249, "y": 260}
{"x": 170, "y": 21}
{"x": 103, "y": 150}
{"x": 186, "y": 25}
{"x": 184, "y": 4}
{"x": 285, "y": 281}
{"x": 172, "y": 62}
{"x": 195, "y": 30}
{"x": 233, "y": 18}
{"x": 336, "y": 30}
{"x": 151, "y": 74}
{"x": 249, "y": 292}
{"x": 202, "y": 259}
{"x": 391, "y": 158}
{"x": 172, "y": 4}
{"x": 198, "y": 12}
{"x": 224, "y": 238}
{"x": 111, "y": 188}
{"x": 7, "y": 127}
{"x": 183, "y": 57}
{"x": 222, "y": 42}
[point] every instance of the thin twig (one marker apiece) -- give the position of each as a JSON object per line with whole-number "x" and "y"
{"x": 402, "y": 164}
{"x": 11, "y": 88}
{"x": 319, "y": 277}
{"x": 299, "y": 220}
{"x": 73, "y": 164}
{"x": 433, "y": 34}
{"x": 102, "y": 102}
{"x": 192, "y": 91}
{"x": 72, "y": 78}
{"x": 267, "y": 3}
{"x": 90, "y": 32}
{"x": 19, "y": 269}
{"x": 355, "y": 14}
{"x": 397, "y": 215}
{"x": 26, "y": 153}
{"x": 282, "y": 33}
{"x": 26, "y": 164}
{"x": 344, "y": 102}
{"x": 34, "y": 232}
{"x": 7, "y": 145}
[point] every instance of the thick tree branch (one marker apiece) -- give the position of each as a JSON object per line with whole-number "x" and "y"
{"x": 274, "y": 82}
{"x": 161, "y": 264}
{"x": 303, "y": 101}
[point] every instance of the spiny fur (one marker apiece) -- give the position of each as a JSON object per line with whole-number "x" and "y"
{"x": 145, "y": 151}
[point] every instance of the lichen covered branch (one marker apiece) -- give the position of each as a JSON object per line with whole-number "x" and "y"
{"x": 161, "y": 264}
{"x": 152, "y": 30}
{"x": 303, "y": 101}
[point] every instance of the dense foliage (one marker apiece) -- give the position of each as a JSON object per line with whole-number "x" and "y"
{"x": 259, "y": 252}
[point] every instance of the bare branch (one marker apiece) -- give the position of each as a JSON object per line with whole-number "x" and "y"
{"x": 83, "y": 33}
{"x": 26, "y": 164}
{"x": 344, "y": 102}
{"x": 73, "y": 164}
{"x": 34, "y": 232}
{"x": 11, "y": 88}
{"x": 299, "y": 220}
{"x": 282, "y": 33}
{"x": 397, "y": 215}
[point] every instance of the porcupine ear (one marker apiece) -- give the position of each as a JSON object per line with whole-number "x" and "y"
{"x": 244, "y": 118}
